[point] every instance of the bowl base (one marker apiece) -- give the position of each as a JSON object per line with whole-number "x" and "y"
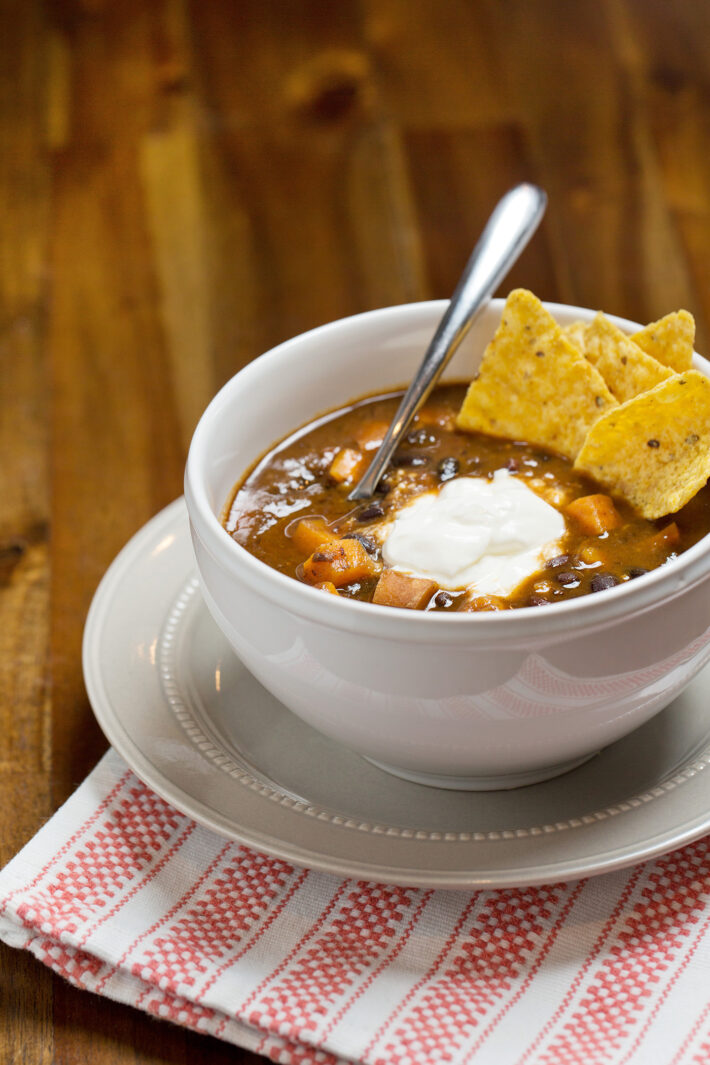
{"x": 503, "y": 782}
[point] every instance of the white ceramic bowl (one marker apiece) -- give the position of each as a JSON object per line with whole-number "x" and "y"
{"x": 463, "y": 700}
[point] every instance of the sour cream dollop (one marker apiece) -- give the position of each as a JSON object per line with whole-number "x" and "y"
{"x": 474, "y": 532}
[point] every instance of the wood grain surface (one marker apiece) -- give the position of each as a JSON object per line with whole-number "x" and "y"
{"x": 183, "y": 185}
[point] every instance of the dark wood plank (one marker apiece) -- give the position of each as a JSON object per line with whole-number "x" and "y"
{"x": 25, "y": 988}
{"x": 306, "y": 171}
{"x": 614, "y": 241}
{"x": 127, "y": 388}
{"x": 457, "y": 176}
{"x": 668, "y": 49}
{"x": 118, "y": 454}
{"x": 437, "y": 65}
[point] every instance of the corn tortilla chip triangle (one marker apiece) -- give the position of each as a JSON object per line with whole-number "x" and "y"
{"x": 670, "y": 340}
{"x": 575, "y": 334}
{"x": 533, "y": 384}
{"x": 654, "y": 450}
{"x": 626, "y": 369}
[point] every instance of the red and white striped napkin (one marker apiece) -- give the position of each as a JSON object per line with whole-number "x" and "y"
{"x": 126, "y": 897}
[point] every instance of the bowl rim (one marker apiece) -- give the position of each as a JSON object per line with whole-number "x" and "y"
{"x": 568, "y": 619}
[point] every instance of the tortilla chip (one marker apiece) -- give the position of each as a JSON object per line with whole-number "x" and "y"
{"x": 575, "y": 334}
{"x": 533, "y": 384}
{"x": 669, "y": 340}
{"x": 624, "y": 366}
{"x": 654, "y": 450}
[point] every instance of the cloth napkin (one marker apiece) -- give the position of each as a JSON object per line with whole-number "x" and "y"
{"x": 126, "y": 897}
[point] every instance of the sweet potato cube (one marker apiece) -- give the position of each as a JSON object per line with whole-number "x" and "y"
{"x": 310, "y": 533}
{"x": 370, "y": 435}
{"x": 595, "y": 514}
{"x": 666, "y": 539}
{"x": 340, "y": 562}
{"x": 327, "y": 586}
{"x": 345, "y": 465}
{"x": 592, "y": 553}
{"x": 399, "y": 589}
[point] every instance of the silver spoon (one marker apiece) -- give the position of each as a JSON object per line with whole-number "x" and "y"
{"x": 507, "y": 232}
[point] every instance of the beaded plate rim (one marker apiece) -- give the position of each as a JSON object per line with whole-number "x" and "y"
{"x": 179, "y": 705}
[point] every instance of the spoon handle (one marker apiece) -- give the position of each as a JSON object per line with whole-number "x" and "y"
{"x": 508, "y": 230}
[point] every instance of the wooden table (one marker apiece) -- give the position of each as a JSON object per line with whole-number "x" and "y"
{"x": 184, "y": 185}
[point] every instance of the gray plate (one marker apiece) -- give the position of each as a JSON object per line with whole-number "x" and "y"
{"x": 190, "y": 720}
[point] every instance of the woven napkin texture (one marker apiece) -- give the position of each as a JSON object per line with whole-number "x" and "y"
{"x": 125, "y": 897}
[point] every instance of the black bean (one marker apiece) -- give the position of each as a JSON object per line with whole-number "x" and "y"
{"x": 370, "y": 545}
{"x": 538, "y": 600}
{"x": 405, "y": 459}
{"x": 559, "y": 560}
{"x": 374, "y": 510}
{"x": 443, "y": 599}
{"x": 513, "y": 465}
{"x": 448, "y": 468}
{"x": 635, "y": 571}
{"x": 568, "y": 579}
{"x": 602, "y": 581}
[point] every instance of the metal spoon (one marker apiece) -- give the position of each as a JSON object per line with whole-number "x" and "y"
{"x": 507, "y": 232}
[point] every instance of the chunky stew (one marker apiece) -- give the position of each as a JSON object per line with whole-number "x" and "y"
{"x": 292, "y": 512}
